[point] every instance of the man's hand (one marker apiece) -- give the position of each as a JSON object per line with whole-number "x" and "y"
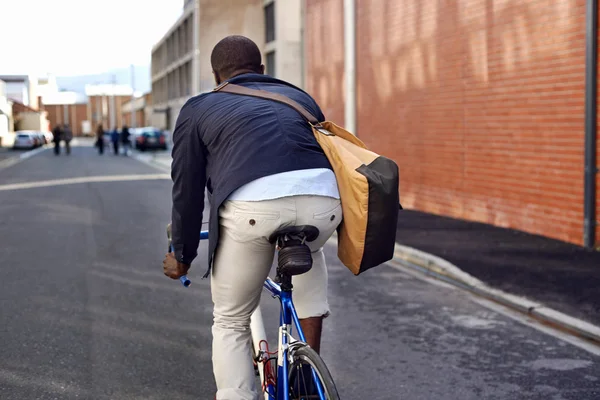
{"x": 173, "y": 268}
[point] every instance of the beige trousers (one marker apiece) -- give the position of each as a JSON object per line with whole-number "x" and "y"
{"x": 242, "y": 263}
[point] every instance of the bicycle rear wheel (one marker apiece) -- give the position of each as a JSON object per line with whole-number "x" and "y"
{"x": 305, "y": 361}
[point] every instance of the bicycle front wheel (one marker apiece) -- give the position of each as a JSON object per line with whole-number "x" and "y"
{"x": 305, "y": 361}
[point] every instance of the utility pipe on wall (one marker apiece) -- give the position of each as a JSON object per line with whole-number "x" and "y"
{"x": 350, "y": 64}
{"x": 591, "y": 86}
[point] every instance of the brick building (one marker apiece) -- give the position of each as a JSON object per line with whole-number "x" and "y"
{"x": 105, "y": 105}
{"x": 65, "y": 108}
{"x": 481, "y": 103}
{"x": 142, "y": 111}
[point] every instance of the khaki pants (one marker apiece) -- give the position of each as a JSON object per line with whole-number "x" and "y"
{"x": 242, "y": 263}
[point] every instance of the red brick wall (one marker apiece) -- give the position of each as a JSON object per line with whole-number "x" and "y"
{"x": 324, "y": 49}
{"x": 55, "y": 114}
{"x": 480, "y": 102}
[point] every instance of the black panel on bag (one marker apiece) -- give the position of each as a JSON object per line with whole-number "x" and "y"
{"x": 382, "y": 176}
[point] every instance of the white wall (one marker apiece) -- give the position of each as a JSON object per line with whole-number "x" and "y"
{"x": 31, "y": 120}
{"x": 288, "y": 40}
{"x": 220, "y": 18}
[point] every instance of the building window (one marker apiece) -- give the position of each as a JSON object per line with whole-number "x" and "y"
{"x": 271, "y": 64}
{"x": 270, "y": 22}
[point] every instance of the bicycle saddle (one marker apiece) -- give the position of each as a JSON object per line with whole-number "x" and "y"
{"x": 308, "y": 231}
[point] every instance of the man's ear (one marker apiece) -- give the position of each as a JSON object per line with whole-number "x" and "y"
{"x": 217, "y": 77}
{"x": 262, "y": 69}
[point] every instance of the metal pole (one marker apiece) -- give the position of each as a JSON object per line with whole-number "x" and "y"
{"x": 350, "y": 64}
{"x": 133, "y": 121}
{"x": 591, "y": 82}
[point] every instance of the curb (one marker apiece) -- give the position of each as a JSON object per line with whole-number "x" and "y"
{"x": 445, "y": 271}
{"x": 9, "y": 162}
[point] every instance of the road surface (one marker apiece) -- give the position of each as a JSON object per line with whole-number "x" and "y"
{"x": 87, "y": 314}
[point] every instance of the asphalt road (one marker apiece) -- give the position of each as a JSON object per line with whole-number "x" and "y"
{"x": 85, "y": 312}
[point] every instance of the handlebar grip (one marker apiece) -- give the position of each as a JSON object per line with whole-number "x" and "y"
{"x": 185, "y": 281}
{"x": 203, "y": 236}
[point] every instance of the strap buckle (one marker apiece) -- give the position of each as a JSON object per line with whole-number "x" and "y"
{"x": 221, "y": 86}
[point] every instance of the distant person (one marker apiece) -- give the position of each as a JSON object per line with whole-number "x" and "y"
{"x": 125, "y": 139}
{"x": 67, "y": 137}
{"x": 100, "y": 139}
{"x": 56, "y": 138}
{"x": 114, "y": 137}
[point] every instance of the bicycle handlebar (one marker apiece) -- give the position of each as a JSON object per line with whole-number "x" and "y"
{"x": 184, "y": 279}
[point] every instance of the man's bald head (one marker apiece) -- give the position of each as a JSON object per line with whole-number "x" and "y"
{"x": 235, "y": 55}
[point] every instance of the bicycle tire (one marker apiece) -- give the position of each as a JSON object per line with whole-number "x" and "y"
{"x": 306, "y": 354}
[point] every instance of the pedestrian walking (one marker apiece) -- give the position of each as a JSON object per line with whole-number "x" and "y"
{"x": 125, "y": 140}
{"x": 67, "y": 137}
{"x": 114, "y": 136}
{"x": 56, "y": 138}
{"x": 100, "y": 139}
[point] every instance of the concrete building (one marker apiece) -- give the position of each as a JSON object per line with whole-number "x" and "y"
{"x": 22, "y": 88}
{"x": 6, "y": 117}
{"x": 174, "y": 67}
{"x": 181, "y": 59}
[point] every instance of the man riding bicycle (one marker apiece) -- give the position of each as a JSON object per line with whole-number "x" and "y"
{"x": 263, "y": 170}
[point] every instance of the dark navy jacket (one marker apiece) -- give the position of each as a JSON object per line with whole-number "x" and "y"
{"x": 223, "y": 141}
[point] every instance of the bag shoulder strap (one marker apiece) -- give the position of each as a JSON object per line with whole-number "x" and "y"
{"x": 227, "y": 87}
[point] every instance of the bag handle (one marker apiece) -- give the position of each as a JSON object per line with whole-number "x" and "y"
{"x": 227, "y": 87}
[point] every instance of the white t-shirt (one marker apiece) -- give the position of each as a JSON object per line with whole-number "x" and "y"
{"x": 308, "y": 182}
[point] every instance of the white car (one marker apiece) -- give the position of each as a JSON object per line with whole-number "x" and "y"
{"x": 48, "y": 136}
{"x": 25, "y": 140}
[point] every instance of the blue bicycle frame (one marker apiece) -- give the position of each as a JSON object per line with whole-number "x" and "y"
{"x": 287, "y": 316}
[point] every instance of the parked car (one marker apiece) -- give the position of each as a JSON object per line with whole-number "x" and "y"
{"x": 48, "y": 136}
{"x": 149, "y": 138}
{"x": 25, "y": 140}
{"x": 41, "y": 138}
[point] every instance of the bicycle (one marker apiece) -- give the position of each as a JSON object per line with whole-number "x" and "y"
{"x": 281, "y": 371}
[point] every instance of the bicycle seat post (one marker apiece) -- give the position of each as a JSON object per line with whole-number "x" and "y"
{"x": 294, "y": 256}
{"x": 284, "y": 280}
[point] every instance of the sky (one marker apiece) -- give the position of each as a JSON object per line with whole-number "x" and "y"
{"x": 78, "y": 37}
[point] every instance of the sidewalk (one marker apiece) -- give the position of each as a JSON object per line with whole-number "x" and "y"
{"x": 559, "y": 275}
{"x": 160, "y": 159}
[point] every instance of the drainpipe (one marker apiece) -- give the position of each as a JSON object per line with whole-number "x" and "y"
{"x": 591, "y": 82}
{"x": 350, "y": 64}
{"x": 302, "y": 44}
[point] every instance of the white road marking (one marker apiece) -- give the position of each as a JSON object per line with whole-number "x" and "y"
{"x": 84, "y": 179}
{"x": 9, "y": 162}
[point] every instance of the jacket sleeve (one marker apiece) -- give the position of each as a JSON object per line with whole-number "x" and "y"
{"x": 188, "y": 171}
